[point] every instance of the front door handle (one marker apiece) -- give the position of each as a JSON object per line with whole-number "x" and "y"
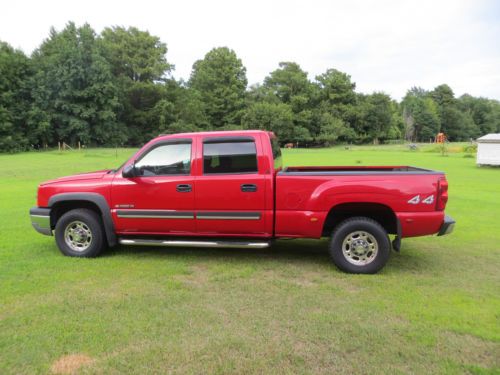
{"x": 183, "y": 188}
{"x": 248, "y": 188}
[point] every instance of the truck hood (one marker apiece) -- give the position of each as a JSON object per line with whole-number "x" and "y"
{"x": 81, "y": 176}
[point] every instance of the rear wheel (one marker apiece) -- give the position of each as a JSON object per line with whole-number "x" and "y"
{"x": 360, "y": 245}
{"x": 79, "y": 233}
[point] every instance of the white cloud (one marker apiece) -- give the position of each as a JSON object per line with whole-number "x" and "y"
{"x": 385, "y": 45}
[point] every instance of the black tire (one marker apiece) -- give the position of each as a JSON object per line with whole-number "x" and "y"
{"x": 371, "y": 236}
{"x": 91, "y": 233}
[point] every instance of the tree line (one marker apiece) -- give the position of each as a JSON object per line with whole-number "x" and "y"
{"x": 116, "y": 88}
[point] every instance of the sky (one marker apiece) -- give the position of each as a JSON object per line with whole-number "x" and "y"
{"x": 385, "y": 45}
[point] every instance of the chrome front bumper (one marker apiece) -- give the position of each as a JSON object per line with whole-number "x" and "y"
{"x": 447, "y": 226}
{"x": 40, "y": 220}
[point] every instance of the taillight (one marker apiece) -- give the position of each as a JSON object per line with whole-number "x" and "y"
{"x": 442, "y": 194}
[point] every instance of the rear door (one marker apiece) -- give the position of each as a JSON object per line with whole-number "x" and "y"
{"x": 230, "y": 189}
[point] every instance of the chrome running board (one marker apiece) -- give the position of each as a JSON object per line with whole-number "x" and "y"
{"x": 183, "y": 243}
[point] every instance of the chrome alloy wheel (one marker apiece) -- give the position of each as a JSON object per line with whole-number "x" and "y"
{"x": 360, "y": 248}
{"x": 78, "y": 236}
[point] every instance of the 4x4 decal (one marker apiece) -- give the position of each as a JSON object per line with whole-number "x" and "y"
{"x": 429, "y": 200}
{"x": 416, "y": 200}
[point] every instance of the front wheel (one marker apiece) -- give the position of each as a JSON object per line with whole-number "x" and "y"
{"x": 79, "y": 233}
{"x": 360, "y": 245}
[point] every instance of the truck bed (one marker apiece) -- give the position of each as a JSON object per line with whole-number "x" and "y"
{"x": 409, "y": 192}
{"x": 356, "y": 170}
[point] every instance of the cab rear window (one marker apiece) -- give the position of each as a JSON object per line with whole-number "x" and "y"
{"x": 229, "y": 157}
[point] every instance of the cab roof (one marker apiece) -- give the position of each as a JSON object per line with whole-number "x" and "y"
{"x": 219, "y": 133}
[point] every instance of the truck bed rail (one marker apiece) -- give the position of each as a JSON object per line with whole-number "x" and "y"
{"x": 355, "y": 170}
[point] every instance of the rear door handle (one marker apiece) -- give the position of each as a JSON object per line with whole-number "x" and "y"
{"x": 183, "y": 188}
{"x": 248, "y": 188}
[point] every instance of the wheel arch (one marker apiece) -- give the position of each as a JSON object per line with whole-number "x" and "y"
{"x": 379, "y": 212}
{"x": 64, "y": 202}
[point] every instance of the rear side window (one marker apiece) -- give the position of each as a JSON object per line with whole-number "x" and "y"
{"x": 229, "y": 157}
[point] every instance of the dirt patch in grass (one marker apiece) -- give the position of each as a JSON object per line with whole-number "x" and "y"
{"x": 299, "y": 278}
{"x": 308, "y": 278}
{"x": 70, "y": 364}
{"x": 470, "y": 350}
{"x": 198, "y": 276}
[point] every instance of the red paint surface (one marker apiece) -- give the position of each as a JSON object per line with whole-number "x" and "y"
{"x": 301, "y": 203}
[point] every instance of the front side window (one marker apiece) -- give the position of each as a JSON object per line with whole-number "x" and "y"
{"x": 229, "y": 157}
{"x": 166, "y": 159}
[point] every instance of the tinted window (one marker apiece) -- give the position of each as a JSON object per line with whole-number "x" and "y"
{"x": 229, "y": 157}
{"x": 166, "y": 160}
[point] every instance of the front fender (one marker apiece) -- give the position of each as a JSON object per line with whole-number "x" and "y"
{"x": 96, "y": 199}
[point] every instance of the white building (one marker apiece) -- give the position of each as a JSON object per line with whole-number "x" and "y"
{"x": 488, "y": 150}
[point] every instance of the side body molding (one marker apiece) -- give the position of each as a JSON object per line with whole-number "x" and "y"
{"x": 99, "y": 201}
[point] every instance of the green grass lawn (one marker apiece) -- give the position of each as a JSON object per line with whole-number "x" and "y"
{"x": 435, "y": 308}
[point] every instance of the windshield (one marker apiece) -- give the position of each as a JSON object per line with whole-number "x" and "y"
{"x": 121, "y": 165}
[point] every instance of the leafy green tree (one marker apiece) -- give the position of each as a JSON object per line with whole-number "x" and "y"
{"x": 290, "y": 85}
{"x": 260, "y": 93}
{"x": 456, "y": 124}
{"x": 135, "y": 54}
{"x": 117, "y": 87}
{"x": 331, "y": 128}
{"x": 481, "y": 110}
{"x": 335, "y": 95}
{"x": 494, "y": 116}
{"x": 220, "y": 78}
{"x": 396, "y": 130}
{"x": 15, "y": 69}
{"x": 336, "y": 87}
{"x": 141, "y": 110}
{"x": 443, "y": 96}
{"x": 276, "y": 117}
{"x": 378, "y": 116}
{"x": 140, "y": 67}
{"x": 74, "y": 96}
{"x": 427, "y": 120}
{"x": 185, "y": 110}
{"x": 421, "y": 114}
{"x": 336, "y": 90}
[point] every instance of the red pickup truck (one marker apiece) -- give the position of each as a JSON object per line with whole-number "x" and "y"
{"x": 228, "y": 189}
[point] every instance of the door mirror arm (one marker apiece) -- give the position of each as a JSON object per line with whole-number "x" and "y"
{"x": 129, "y": 171}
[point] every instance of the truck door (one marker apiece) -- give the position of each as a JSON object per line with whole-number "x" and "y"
{"x": 160, "y": 199}
{"x": 230, "y": 189}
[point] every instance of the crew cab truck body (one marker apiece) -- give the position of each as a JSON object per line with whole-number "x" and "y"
{"x": 228, "y": 189}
